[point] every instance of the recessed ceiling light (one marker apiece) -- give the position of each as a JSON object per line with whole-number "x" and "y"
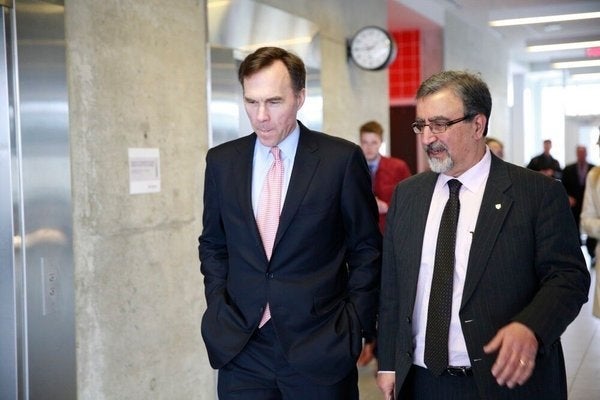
{"x": 563, "y": 46}
{"x": 585, "y": 77}
{"x": 545, "y": 19}
{"x": 576, "y": 64}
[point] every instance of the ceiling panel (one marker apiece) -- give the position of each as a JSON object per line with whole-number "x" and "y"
{"x": 422, "y": 14}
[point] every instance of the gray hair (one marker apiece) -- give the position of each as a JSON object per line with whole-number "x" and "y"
{"x": 469, "y": 87}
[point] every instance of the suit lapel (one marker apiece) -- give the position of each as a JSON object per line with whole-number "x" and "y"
{"x": 305, "y": 165}
{"x": 495, "y": 206}
{"x": 243, "y": 184}
{"x": 416, "y": 212}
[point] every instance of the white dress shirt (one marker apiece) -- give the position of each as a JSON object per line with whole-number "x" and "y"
{"x": 263, "y": 159}
{"x": 471, "y": 193}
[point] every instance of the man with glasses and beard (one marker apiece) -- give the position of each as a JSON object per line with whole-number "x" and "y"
{"x": 482, "y": 268}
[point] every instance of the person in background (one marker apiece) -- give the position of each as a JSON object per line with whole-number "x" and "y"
{"x": 290, "y": 248}
{"x": 590, "y": 221}
{"x": 482, "y": 268}
{"x": 386, "y": 172}
{"x": 573, "y": 178}
{"x": 496, "y": 146}
{"x": 545, "y": 163}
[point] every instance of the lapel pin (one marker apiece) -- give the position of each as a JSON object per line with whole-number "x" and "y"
{"x": 498, "y": 206}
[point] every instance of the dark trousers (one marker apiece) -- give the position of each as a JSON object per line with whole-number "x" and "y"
{"x": 261, "y": 372}
{"x": 420, "y": 384}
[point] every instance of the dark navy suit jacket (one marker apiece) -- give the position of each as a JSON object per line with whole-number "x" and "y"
{"x": 322, "y": 282}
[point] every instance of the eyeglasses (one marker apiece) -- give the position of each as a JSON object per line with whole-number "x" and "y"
{"x": 438, "y": 127}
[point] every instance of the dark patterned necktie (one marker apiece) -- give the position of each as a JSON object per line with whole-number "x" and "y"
{"x": 440, "y": 298}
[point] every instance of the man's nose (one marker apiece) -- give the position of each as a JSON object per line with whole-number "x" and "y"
{"x": 427, "y": 136}
{"x": 262, "y": 114}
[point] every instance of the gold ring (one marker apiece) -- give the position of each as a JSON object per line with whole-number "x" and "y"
{"x": 523, "y": 363}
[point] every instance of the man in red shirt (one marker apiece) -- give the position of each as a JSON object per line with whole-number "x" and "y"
{"x": 386, "y": 172}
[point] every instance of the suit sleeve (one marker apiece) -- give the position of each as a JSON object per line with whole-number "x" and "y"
{"x": 363, "y": 241}
{"x": 560, "y": 267}
{"x": 212, "y": 242}
{"x": 388, "y": 303}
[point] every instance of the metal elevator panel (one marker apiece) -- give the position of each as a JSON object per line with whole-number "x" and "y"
{"x": 8, "y": 307}
{"x": 38, "y": 193}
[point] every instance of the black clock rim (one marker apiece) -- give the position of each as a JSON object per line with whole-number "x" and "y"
{"x": 391, "y": 55}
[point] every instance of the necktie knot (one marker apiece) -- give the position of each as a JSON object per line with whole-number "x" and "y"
{"x": 454, "y": 186}
{"x": 276, "y": 153}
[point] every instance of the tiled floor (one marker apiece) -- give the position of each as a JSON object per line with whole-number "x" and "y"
{"x": 581, "y": 343}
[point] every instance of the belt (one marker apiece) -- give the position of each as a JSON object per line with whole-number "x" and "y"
{"x": 458, "y": 371}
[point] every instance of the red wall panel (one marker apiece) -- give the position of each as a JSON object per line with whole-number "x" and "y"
{"x": 405, "y": 71}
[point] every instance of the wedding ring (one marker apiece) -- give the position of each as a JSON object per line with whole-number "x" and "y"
{"x": 522, "y": 362}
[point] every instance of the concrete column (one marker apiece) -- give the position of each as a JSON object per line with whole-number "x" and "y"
{"x": 137, "y": 79}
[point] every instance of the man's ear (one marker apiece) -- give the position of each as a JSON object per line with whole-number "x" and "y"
{"x": 300, "y": 97}
{"x": 480, "y": 122}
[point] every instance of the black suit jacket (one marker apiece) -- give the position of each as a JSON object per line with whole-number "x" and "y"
{"x": 570, "y": 178}
{"x": 322, "y": 282}
{"x": 525, "y": 265}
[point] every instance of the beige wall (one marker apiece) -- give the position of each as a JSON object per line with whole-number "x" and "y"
{"x": 137, "y": 78}
{"x": 466, "y": 47}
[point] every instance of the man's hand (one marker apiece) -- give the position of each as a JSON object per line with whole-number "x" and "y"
{"x": 386, "y": 381}
{"x": 382, "y": 206}
{"x": 366, "y": 355}
{"x": 517, "y": 348}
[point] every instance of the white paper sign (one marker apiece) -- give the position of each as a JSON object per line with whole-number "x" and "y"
{"x": 144, "y": 171}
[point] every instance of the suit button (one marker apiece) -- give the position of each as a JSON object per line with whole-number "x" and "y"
{"x": 269, "y": 275}
{"x": 408, "y": 320}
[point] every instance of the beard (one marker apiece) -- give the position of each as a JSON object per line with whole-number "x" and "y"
{"x": 439, "y": 165}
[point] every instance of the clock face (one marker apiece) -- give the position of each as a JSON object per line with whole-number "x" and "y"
{"x": 372, "y": 48}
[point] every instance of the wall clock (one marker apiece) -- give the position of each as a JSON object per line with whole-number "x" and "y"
{"x": 372, "y": 48}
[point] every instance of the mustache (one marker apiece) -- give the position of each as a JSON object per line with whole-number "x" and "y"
{"x": 435, "y": 146}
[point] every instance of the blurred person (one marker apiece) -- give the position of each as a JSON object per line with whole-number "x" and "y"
{"x": 573, "y": 178}
{"x": 590, "y": 221}
{"x": 290, "y": 248}
{"x": 496, "y": 146}
{"x": 478, "y": 312}
{"x": 545, "y": 163}
{"x": 386, "y": 172}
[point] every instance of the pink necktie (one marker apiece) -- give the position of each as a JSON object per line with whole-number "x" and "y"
{"x": 268, "y": 212}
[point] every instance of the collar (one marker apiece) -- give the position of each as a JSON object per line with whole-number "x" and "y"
{"x": 476, "y": 176}
{"x": 287, "y": 146}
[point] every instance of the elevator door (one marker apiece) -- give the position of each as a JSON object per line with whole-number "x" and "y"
{"x": 37, "y": 329}
{"x": 8, "y": 316}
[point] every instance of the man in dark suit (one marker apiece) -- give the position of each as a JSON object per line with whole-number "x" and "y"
{"x": 517, "y": 275}
{"x": 545, "y": 163}
{"x": 573, "y": 178}
{"x": 317, "y": 288}
{"x": 386, "y": 172}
